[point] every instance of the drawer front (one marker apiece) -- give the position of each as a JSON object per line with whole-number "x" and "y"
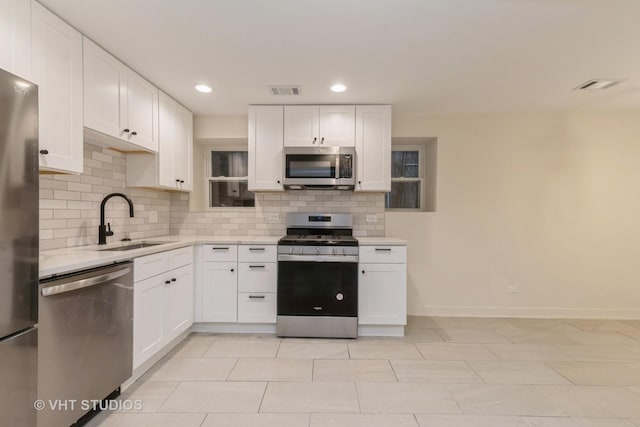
{"x": 256, "y": 307}
{"x": 221, "y": 253}
{"x": 383, "y": 254}
{"x": 257, "y": 253}
{"x": 257, "y": 276}
{"x": 180, "y": 257}
{"x": 150, "y": 265}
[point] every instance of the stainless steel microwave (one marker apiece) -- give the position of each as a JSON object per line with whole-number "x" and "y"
{"x": 319, "y": 168}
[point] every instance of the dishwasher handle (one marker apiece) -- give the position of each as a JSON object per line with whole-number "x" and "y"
{"x": 84, "y": 283}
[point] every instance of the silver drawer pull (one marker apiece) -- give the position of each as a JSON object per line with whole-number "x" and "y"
{"x": 257, "y": 249}
{"x": 256, "y": 296}
{"x": 226, "y": 248}
{"x": 383, "y": 249}
{"x": 257, "y": 266}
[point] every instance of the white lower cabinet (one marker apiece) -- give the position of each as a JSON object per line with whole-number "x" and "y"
{"x": 217, "y": 299}
{"x": 382, "y": 286}
{"x": 162, "y": 301}
{"x": 256, "y": 307}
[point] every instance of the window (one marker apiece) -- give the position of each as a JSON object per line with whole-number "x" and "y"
{"x": 412, "y": 174}
{"x": 406, "y": 179}
{"x": 227, "y": 179}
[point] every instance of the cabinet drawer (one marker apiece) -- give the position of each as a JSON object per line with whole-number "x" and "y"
{"x": 180, "y": 257}
{"x": 150, "y": 265}
{"x": 257, "y": 253}
{"x": 256, "y": 307}
{"x": 224, "y": 253}
{"x": 383, "y": 254}
{"x": 257, "y": 276}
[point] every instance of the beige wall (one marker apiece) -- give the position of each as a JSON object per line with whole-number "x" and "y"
{"x": 546, "y": 202}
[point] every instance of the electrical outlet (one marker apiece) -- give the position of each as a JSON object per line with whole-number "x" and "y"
{"x": 513, "y": 289}
{"x": 372, "y": 218}
{"x": 153, "y": 217}
{"x": 273, "y": 216}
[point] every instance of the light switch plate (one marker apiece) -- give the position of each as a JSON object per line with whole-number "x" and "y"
{"x": 273, "y": 216}
{"x": 372, "y": 218}
{"x": 153, "y": 217}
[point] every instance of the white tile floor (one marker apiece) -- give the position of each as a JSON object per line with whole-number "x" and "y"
{"x": 462, "y": 372}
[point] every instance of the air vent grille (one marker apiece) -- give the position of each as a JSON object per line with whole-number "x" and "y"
{"x": 285, "y": 90}
{"x": 598, "y": 84}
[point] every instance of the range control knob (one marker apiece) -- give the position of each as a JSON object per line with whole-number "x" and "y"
{"x": 339, "y": 296}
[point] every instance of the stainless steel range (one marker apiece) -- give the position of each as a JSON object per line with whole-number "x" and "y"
{"x": 318, "y": 277}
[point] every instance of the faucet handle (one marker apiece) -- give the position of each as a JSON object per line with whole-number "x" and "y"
{"x": 108, "y": 232}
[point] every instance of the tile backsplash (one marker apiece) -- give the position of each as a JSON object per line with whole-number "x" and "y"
{"x": 70, "y": 204}
{"x": 70, "y": 208}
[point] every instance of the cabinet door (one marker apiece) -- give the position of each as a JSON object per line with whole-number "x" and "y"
{"x": 338, "y": 125}
{"x": 382, "y": 294}
{"x": 105, "y": 87}
{"x": 183, "y": 149}
{"x": 217, "y": 297}
{"x": 265, "y": 148}
{"x": 301, "y": 125}
{"x": 148, "y": 315}
{"x": 57, "y": 69}
{"x": 373, "y": 148}
{"x": 178, "y": 302}
{"x": 15, "y": 37}
{"x": 167, "y": 134}
{"x": 142, "y": 112}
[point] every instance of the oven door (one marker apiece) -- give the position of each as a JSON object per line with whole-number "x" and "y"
{"x": 302, "y": 167}
{"x": 307, "y": 288}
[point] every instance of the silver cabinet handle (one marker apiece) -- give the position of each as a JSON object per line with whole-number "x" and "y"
{"x": 256, "y": 296}
{"x": 84, "y": 283}
{"x": 257, "y": 266}
{"x": 383, "y": 249}
{"x": 257, "y": 249}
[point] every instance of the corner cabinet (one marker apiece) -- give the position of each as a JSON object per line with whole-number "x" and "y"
{"x": 15, "y": 37}
{"x": 373, "y": 148}
{"x": 172, "y": 167}
{"x": 120, "y": 107}
{"x": 315, "y": 125}
{"x": 57, "y": 70}
{"x": 265, "y": 148}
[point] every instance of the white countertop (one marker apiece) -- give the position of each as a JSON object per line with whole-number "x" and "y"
{"x": 67, "y": 260}
{"x": 388, "y": 241}
{"x": 60, "y": 261}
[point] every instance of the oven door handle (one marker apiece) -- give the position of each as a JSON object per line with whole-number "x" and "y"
{"x": 318, "y": 258}
{"x": 84, "y": 283}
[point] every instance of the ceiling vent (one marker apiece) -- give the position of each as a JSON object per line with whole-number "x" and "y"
{"x": 285, "y": 90}
{"x": 598, "y": 84}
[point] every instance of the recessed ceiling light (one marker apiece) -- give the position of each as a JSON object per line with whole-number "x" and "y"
{"x": 203, "y": 88}
{"x": 338, "y": 87}
{"x": 598, "y": 84}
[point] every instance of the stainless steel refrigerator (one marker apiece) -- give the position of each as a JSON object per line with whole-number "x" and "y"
{"x": 18, "y": 250}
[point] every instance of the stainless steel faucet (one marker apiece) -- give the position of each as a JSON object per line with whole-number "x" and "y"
{"x": 103, "y": 231}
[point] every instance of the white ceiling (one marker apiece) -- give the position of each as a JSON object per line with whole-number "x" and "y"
{"x": 422, "y": 56}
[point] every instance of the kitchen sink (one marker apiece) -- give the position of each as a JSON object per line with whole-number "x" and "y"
{"x": 132, "y": 246}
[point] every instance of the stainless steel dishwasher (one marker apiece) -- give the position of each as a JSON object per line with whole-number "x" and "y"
{"x": 85, "y": 339}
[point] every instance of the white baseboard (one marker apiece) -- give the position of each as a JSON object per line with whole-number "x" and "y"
{"x": 381, "y": 331}
{"x": 530, "y": 312}
{"x": 235, "y": 328}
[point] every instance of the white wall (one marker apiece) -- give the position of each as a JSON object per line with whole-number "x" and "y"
{"x": 547, "y": 202}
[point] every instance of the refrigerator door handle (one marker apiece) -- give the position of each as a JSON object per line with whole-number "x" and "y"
{"x": 84, "y": 283}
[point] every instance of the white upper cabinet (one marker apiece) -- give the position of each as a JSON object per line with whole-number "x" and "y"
{"x": 15, "y": 37}
{"x": 338, "y": 125}
{"x": 309, "y": 125}
{"x": 265, "y": 148}
{"x": 373, "y": 148}
{"x": 172, "y": 166}
{"x": 57, "y": 69}
{"x": 119, "y": 105}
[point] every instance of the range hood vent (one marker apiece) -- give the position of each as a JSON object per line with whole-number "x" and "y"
{"x": 285, "y": 90}
{"x": 598, "y": 84}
